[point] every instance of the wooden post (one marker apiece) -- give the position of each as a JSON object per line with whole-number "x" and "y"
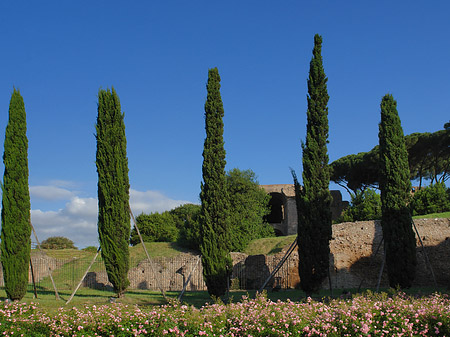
{"x": 148, "y": 256}
{"x": 32, "y": 277}
{"x": 381, "y": 270}
{"x": 376, "y": 252}
{"x": 427, "y": 261}
{"x": 279, "y": 265}
{"x": 49, "y": 269}
{"x": 79, "y": 284}
{"x": 189, "y": 279}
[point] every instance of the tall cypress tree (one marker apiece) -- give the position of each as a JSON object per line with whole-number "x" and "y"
{"x": 16, "y": 228}
{"x": 113, "y": 189}
{"x": 395, "y": 186}
{"x": 214, "y": 219}
{"x": 314, "y": 199}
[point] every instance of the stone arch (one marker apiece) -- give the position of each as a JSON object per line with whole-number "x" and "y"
{"x": 276, "y": 204}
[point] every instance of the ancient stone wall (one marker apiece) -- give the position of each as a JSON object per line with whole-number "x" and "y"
{"x": 352, "y": 259}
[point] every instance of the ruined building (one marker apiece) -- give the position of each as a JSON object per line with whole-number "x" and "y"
{"x": 284, "y": 209}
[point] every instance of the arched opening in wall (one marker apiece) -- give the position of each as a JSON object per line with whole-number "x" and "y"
{"x": 276, "y": 204}
{"x": 278, "y": 232}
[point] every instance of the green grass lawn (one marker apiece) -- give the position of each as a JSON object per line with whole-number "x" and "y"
{"x": 89, "y": 297}
{"x": 270, "y": 245}
{"x": 433, "y": 216}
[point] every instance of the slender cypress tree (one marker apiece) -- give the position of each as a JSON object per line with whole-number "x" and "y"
{"x": 314, "y": 199}
{"x": 214, "y": 219}
{"x": 113, "y": 189}
{"x": 16, "y": 228}
{"x": 395, "y": 186}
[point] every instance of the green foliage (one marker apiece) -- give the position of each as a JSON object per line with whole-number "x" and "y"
{"x": 249, "y": 204}
{"x": 155, "y": 227}
{"x": 314, "y": 199}
{"x": 90, "y": 249}
{"x": 57, "y": 242}
{"x": 16, "y": 229}
{"x": 428, "y": 158}
{"x": 187, "y": 221}
{"x": 214, "y": 216}
{"x": 113, "y": 189}
{"x": 395, "y": 189}
{"x": 431, "y": 199}
{"x": 365, "y": 205}
{"x": 356, "y": 172}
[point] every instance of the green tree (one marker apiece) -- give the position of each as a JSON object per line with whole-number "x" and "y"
{"x": 428, "y": 158}
{"x": 187, "y": 221}
{"x": 395, "y": 186}
{"x": 57, "y": 242}
{"x": 249, "y": 205}
{"x": 365, "y": 205}
{"x": 155, "y": 227}
{"x": 431, "y": 199}
{"x": 16, "y": 227}
{"x": 214, "y": 216}
{"x": 356, "y": 172}
{"x": 314, "y": 199}
{"x": 113, "y": 189}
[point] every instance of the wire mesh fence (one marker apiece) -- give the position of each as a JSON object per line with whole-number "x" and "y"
{"x": 168, "y": 273}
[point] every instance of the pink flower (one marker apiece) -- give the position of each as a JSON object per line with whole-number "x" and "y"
{"x": 365, "y": 328}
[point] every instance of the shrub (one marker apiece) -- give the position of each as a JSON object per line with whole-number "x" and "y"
{"x": 431, "y": 199}
{"x": 249, "y": 206}
{"x": 90, "y": 249}
{"x": 365, "y": 205}
{"x": 57, "y": 242}
{"x": 155, "y": 227}
{"x": 186, "y": 219}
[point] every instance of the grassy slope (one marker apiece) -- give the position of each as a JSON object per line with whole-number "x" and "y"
{"x": 269, "y": 246}
{"x": 433, "y": 216}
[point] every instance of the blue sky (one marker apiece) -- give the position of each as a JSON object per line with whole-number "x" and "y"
{"x": 157, "y": 54}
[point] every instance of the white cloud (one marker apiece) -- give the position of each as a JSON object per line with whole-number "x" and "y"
{"x": 63, "y": 183}
{"x": 82, "y": 207}
{"x": 152, "y": 201}
{"x": 50, "y": 193}
{"x": 77, "y": 220}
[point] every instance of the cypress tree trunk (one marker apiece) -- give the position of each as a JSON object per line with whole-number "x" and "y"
{"x": 113, "y": 190}
{"x": 16, "y": 229}
{"x": 314, "y": 199}
{"x": 395, "y": 187}
{"x": 214, "y": 219}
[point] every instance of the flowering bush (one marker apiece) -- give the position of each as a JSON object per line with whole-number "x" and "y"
{"x": 366, "y": 315}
